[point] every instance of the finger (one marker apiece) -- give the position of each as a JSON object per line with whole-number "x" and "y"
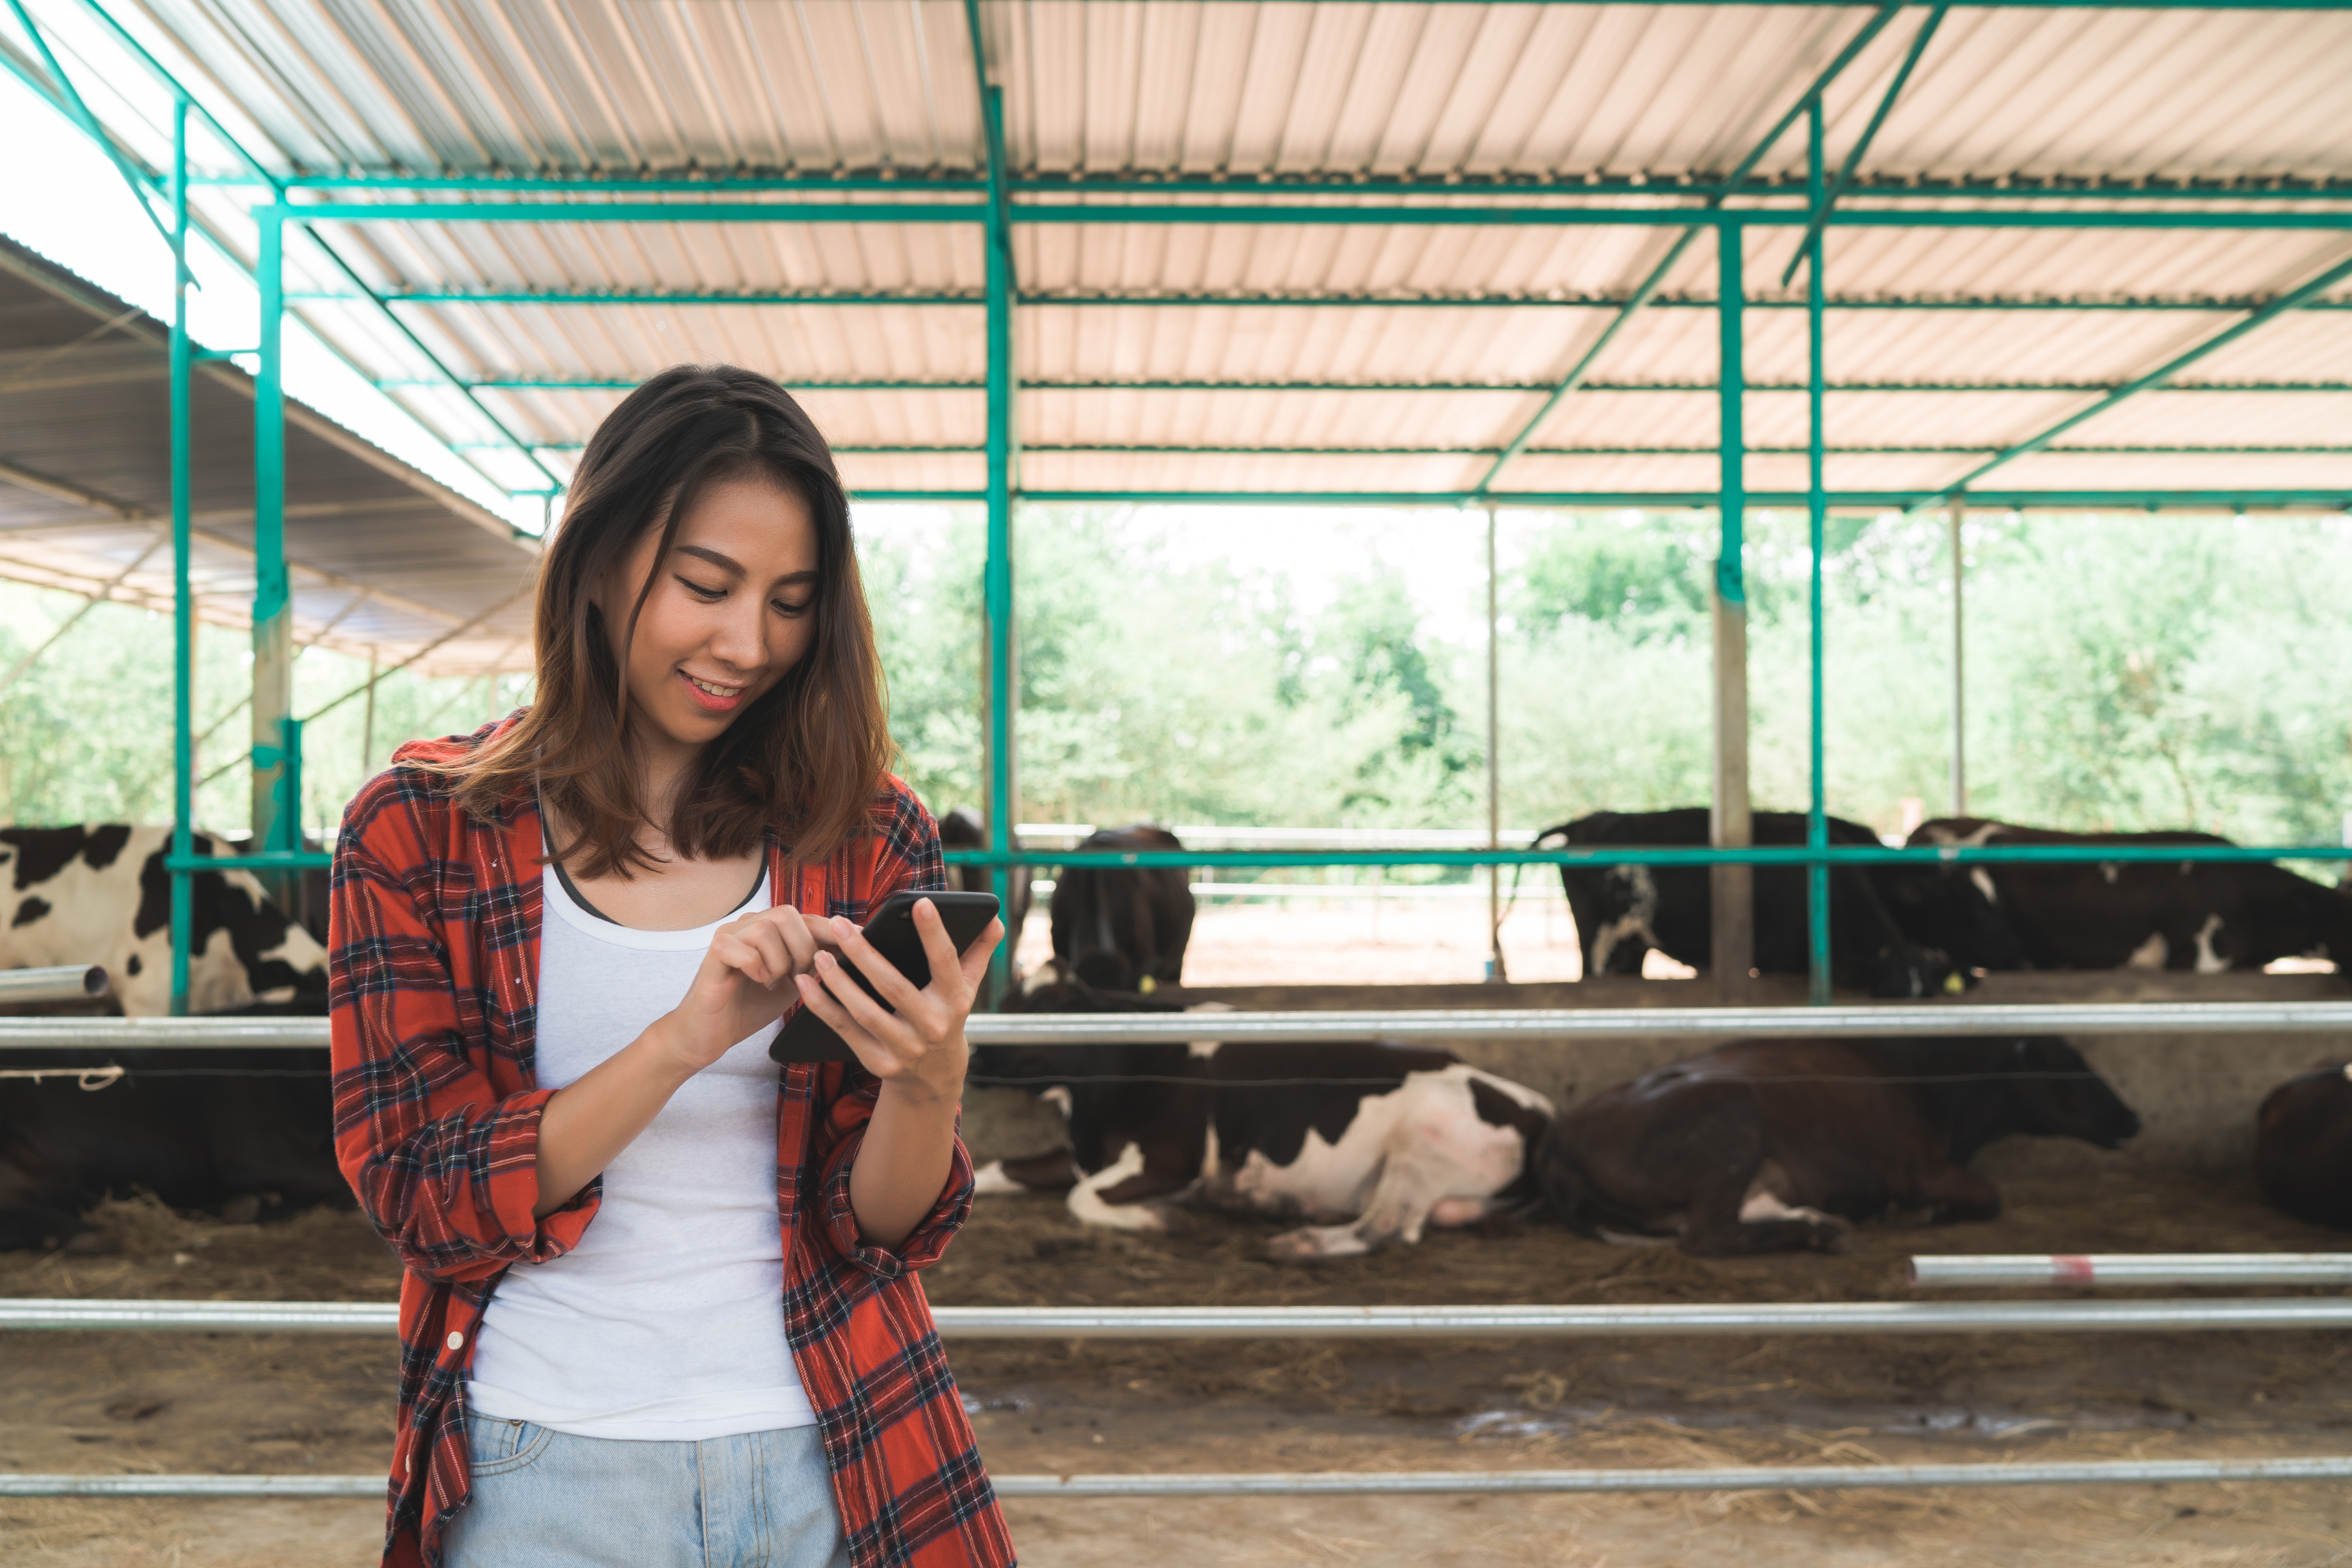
{"x": 775, "y": 957}
{"x": 895, "y": 987}
{"x": 799, "y": 941}
{"x": 877, "y": 1058}
{"x": 938, "y": 946}
{"x": 877, "y": 1020}
{"x": 975, "y": 957}
{"x": 742, "y": 951}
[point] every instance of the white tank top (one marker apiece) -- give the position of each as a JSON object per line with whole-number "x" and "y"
{"x": 667, "y": 1322}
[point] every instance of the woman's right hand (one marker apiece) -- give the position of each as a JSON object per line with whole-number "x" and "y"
{"x": 745, "y": 983}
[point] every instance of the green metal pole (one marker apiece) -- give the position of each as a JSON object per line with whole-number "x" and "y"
{"x": 997, "y": 580}
{"x": 1817, "y": 820}
{"x": 183, "y": 610}
{"x": 1732, "y": 936}
{"x": 276, "y": 826}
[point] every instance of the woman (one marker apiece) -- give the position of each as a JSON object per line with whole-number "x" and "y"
{"x": 660, "y": 1304}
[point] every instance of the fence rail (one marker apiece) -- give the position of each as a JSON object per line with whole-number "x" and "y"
{"x": 2136, "y": 1268}
{"x": 1532, "y": 1024}
{"x": 1672, "y": 1320}
{"x": 1372, "y": 1483}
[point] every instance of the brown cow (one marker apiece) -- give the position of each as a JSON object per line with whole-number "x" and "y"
{"x": 1771, "y": 1145}
{"x": 2303, "y": 1147}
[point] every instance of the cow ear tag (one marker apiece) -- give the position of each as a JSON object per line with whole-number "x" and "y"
{"x": 1954, "y": 984}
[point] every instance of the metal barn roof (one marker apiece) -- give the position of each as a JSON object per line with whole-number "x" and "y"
{"x": 1170, "y": 354}
{"x": 383, "y": 560}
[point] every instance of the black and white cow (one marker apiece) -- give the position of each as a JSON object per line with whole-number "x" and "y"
{"x": 1773, "y": 1145}
{"x": 1119, "y": 929}
{"x": 100, "y": 894}
{"x": 1622, "y": 912}
{"x": 1368, "y": 1143}
{"x": 2303, "y": 1147}
{"x": 2204, "y": 916}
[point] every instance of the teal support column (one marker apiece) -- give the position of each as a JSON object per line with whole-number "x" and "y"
{"x": 1817, "y": 817}
{"x": 1003, "y": 692}
{"x": 277, "y": 822}
{"x": 1732, "y": 946}
{"x": 184, "y": 609}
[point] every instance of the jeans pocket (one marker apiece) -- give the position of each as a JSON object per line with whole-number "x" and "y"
{"x": 495, "y": 1447}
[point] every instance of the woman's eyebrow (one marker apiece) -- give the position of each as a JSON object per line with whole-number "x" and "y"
{"x": 726, "y": 563}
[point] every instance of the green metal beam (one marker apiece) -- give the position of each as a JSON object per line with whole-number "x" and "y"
{"x": 1003, "y": 692}
{"x": 1082, "y": 384}
{"x": 1817, "y": 813}
{"x": 2272, "y": 311}
{"x": 1270, "y": 214}
{"x": 2217, "y": 501}
{"x": 275, "y": 818}
{"x": 183, "y": 599}
{"x": 1451, "y": 183}
{"x": 1823, "y": 202}
{"x": 951, "y": 449}
{"x": 1556, "y": 300}
{"x": 637, "y": 212}
{"x": 2339, "y": 500}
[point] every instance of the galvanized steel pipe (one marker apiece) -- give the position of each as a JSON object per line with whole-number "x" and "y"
{"x": 2136, "y": 1268}
{"x": 1532, "y": 1024}
{"x": 1771, "y": 1318}
{"x": 53, "y": 982}
{"x": 1359, "y": 1483}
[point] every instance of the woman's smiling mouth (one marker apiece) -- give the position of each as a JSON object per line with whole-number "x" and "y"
{"x": 712, "y": 695}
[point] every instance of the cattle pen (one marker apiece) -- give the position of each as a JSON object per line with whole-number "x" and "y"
{"x": 1020, "y": 264}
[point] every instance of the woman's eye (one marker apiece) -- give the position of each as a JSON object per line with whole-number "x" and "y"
{"x": 708, "y": 595}
{"x": 786, "y": 607}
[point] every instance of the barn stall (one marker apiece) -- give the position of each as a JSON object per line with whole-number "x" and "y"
{"x": 1377, "y": 254}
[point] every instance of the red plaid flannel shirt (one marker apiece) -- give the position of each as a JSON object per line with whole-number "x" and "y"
{"x": 433, "y": 970}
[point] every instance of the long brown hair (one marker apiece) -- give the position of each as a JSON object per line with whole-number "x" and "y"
{"x": 807, "y": 758}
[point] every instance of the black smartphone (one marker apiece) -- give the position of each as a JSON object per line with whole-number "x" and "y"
{"x": 809, "y": 1038}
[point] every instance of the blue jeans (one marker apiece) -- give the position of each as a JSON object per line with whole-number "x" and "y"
{"x": 543, "y": 1499}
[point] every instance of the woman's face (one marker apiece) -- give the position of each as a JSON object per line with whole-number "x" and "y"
{"x": 732, "y": 608}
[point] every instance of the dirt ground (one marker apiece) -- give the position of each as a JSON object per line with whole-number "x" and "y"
{"x": 298, "y": 1403}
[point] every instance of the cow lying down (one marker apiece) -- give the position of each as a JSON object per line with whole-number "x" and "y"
{"x": 1368, "y": 1143}
{"x": 246, "y": 1132}
{"x": 1773, "y": 1146}
{"x": 2303, "y": 1146}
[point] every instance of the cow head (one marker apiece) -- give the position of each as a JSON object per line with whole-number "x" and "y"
{"x": 1956, "y": 909}
{"x": 2058, "y": 1095}
{"x": 1907, "y": 970}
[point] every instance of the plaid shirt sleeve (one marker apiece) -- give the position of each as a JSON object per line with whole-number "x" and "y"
{"x": 907, "y": 857}
{"x": 442, "y": 1163}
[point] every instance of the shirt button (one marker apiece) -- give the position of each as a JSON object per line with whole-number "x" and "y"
{"x": 456, "y": 1342}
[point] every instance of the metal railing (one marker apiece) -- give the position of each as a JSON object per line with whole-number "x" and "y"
{"x": 1676, "y": 1320}
{"x": 1903, "y": 1019}
{"x": 52, "y": 982}
{"x": 2136, "y": 1268}
{"x": 1370, "y": 1483}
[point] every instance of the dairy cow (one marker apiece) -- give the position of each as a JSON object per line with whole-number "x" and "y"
{"x": 2303, "y": 1147}
{"x": 1775, "y": 1145}
{"x": 1367, "y": 1142}
{"x": 101, "y": 895}
{"x": 1120, "y": 929}
{"x": 2205, "y": 916}
{"x": 1622, "y": 912}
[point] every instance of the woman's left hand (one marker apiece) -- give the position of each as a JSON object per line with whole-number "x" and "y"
{"x": 920, "y": 1050}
